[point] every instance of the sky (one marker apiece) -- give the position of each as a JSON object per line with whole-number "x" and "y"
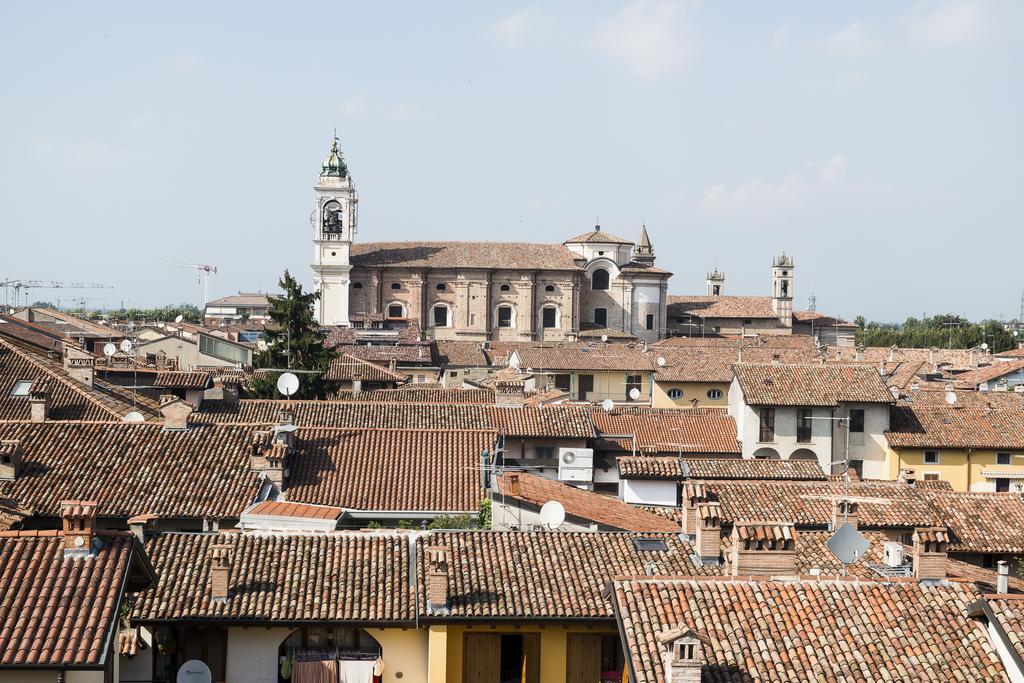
{"x": 878, "y": 143}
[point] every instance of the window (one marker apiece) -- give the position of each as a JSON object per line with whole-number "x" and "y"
{"x": 1002, "y": 485}
{"x": 563, "y": 382}
{"x": 931, "y": 458}
{"x": 650, "y": 545}
{"x": 650, "y": 321}
{"x": 505, "y": 288}
{"x": 601, "y": 317}
{"x": 504, "y": 316}
{"x": 21, "y": 387}
{"x": 440, "y": 316}
{"x": 714, "y": 394}
{"x": 544, "y": 452}
{"x": 441, "y": 287}
{"x": 357, "y": 285}
{"x": 716, "y": 290}
{"x": 549, "y": 317}
{"x": 586, "y": 385}
{"x": 675, "y": 394}
{"x": 395, "y": 285}
{"x": 858, "y": 467}
{"x": 803, "y": 425}
{"x": 395, "y": 311}
{"x": 633, "y": 382}
{"x": 1003, "y": 459}
{"x": 767, "y": 424}
{"x": 599, "y": 280}
{"x": 549, "y": 288}
{"x": 931, "y": 476}
{"x": 857, "y": 421}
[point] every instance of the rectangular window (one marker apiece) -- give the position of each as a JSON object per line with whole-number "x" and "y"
{"x": 931, "y": 476}
{"x": 633, "y": 382}
{"x": 563, "y": 382}
{"x": 1003, "y": 459}
{"x": 394, "y": 311}
{"x": 650, "y": 321}
{"x": 586, "y": 383}
{"x": 549, "y": 315}
{"x": 21, "y": 387}
{"x": 544, "y": 452}
{"x": 440, "y": 316}
{"x": 857, "y": 421}
{"x": 767, "y": 423}
{"x": 1002, "y": 485}
{"x": 601, "y": 317}
{"x": 505, "y": 316}
{"x": 931, "y": 458}
{"x": 803, "y": 425}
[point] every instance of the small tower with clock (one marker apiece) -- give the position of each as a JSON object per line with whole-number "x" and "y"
{"x": 334, "y": 223}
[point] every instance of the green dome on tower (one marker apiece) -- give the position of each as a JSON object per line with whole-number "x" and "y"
{"x": 334, "y": 165}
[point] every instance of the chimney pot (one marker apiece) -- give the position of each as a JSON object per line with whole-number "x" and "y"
{"x": 930, "y": 545}
{"x": 845, "y": 511}
{"x": 693, "y": 495}
{"x": 80, "y": 365}
{"x": 682, "y": 656}
{"x": 10, "y": 459}
{"x": 220, "y": 571}
{"x": 1003, "y": 583}
{"x": 78, "y": 522}
{"x": 763, "y": 549}
{"x": 39, "y": 401}
{"x": 437, "y": 576}
{"x": 709, "y": 532}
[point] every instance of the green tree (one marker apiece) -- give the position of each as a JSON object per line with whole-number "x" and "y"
{"x": 295, "y": 341}
{"x": 483, "y": 517}
{"x": 463, "y": 521}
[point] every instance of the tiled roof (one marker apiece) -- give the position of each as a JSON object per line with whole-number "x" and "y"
{"x": 346, "y": 368}
{"x": 902, "y": 373}
{"x": 1012, "y": 353}
{"x": 282, "y": 578}
{"x": 133, "y": 468}
{"x": 980, "y": 522}
{"x": 720, "y": 307}
{"x": 244, "y": 299}
{"x": 561, "y": 421}
{"x": 60, "y": 612}
{"x": 439, "y": 255}
{"x": 944, "y": 358}
{"x": 668, "y": 467}
{"x": 457, "y": 353}
{"x": 933, "y": 394}
{"x": 935, "y": 426}
{"x": 799, "y": 342}
{"x": 421, "y": 393}
{"x": 279, "y": 508}
{"x": 21, "y": 332}
{"x": 666, "y": 431}
{"x": 11, "y": 514}
{"x": 128, "y": 642}
{"x": 406, "y": 355}
{"x": 511, "y": 574}
{"x": 389, "y": 469}
{"x": 1009, "y": 615}
{"x": 597, "y": 235}
{"x": 596, "y": 357}
{"x": 714, "y": 363}
{"x": 610, "y": 513}
{"x": 182, "y": 380}
{"x": 821, "y": 319}
{"x": 811, "y": 385}
{"x": 824, "y": 630}
{"x": 991, "y": 372}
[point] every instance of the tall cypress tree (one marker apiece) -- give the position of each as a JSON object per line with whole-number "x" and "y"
{"x": 295, "y": 341}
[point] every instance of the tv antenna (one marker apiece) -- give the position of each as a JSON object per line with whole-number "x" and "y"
{"x": 204, "y": 271}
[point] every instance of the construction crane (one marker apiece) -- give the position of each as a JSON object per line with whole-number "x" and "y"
{"x": 204, "y": 271}
{"x": 18, "y": 285}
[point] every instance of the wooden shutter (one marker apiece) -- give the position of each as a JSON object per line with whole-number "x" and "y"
{"x": 531, "y": 648}
{"x": 481, "y": 658}
{"x": 583, "y": 660}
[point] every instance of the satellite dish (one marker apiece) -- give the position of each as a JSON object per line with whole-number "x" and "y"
{"x": 126, "y": 346}
{"x": 604, "y": 337}
{"x": 848, "y": 544}
{"x": 608, "y": 405}
{"x": 179, "y": 318}
{"x": 109, "y": 349}
{"x": 984, "y": 346}
{"x": 194, "y": 671}
{"x": 661, "y": 361}
{"x": 134, "y": 416}
{"x": 634, "y": 393}
{"x": 951, "y": 398}
{"x": 287, "y": 384}
{"x": 552, "y": 514}
{"x": 261, "y": 344}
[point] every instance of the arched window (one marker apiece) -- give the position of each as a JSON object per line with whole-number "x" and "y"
{"x": 357, "y": 285}
{"x": 395, "y": 285}
{"x": 599, "y": 280}
{"x": 505, "y": 288}
{"x": 441, "y": 287}
{"x": 440, "y": 315}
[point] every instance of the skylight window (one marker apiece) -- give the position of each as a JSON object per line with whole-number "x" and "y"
{"x": 650, "y": 545}
{"x": 21, "y": 387}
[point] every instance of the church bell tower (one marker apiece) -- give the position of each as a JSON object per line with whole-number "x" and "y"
{"x": 334, "y": 221}
{"x": 782, "y": 288}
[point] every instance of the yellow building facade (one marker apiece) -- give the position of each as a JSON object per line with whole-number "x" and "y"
{"x": 966, "y": 469}
{"x": 666, "y": 394}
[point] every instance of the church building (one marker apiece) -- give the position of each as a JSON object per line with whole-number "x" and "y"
{"x": 480, "y": 291}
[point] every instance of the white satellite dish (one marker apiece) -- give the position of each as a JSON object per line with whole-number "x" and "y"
{"x": 179, "y": 318}
{"x": 634, "y": 393}
{"x": 661, "y": 361}
{"x": 552, "y": 514}
{"x": 984, "y": 346}
{"x": 126, "y": 346}
{"x": 288, "y": 384}
{"x": 109, "y": 349}
{"x": 134, "y": 416}
{"x": 604, "y": 337}
{"x": 194, "y": 671}
{"x": 261, "y": 344}
{"x": 608, "y": 405}
{"x": 951, "y": 398}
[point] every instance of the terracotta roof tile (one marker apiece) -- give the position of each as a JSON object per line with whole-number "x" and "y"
{"x": 666, "y": 431}
{"x": 811, "y": 385}
{"x": 989, "y": 373}
{"x": 714, "y": 363}
{"x": 980, "y": 522}
{"x": 421, "y": 393}
{"x": 595, "y": 357}
{"x": 168, "y": 379}
{"x": 935, "y": 426}
{"x": 720, "y": 307}
{"x": 669, "y": 467}
{"x": 280, "y": 508}
{"x": 346, "y": 368}
{"x": 437, "y": 255}
{"x": 597, "y": 235}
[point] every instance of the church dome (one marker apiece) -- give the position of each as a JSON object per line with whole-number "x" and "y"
{"x": 334, "y": 165}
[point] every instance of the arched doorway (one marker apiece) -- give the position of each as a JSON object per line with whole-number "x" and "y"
{"x": 803, "y": 454}
{"x": 339, "y": 644}
{"x": 767, "y": 454}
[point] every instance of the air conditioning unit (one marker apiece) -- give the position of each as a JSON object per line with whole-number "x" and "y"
{"x": 575, "y": 464}
{"x": 892, "y": 554}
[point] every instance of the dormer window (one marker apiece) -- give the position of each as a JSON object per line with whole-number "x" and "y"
{"x": 21, "y": 387}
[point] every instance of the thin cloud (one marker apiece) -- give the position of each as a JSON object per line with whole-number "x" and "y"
{"x": 953, "y": 23}
{"x": 356, "y": 106}
{"x": 525, "y": 26}
{"x": 796, "y": 191}
{"x": 648, "y": 38}
{"x": 851, "y": 42}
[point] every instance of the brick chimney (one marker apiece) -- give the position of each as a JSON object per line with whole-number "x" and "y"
{"x": 930, "y": 553}
{"x": 859, "y": 354}
{"x": 175, "y": 411}
{"x": 693, "y": 495}
{"x": 682, "y": 655}
{"x": 284, "y": 432}
{"x": 80, "y": 365}
{"x": 276, "y": 471}
{"x": 78, "y": 521}
{"x": 709, "y": 532}
{"x": 437, "y": 577}
{"x": 509, "y": 393}
{"x": 10, "y": 459}
{"x": 220, "y": 571}
{"x": 39, "y": 400}
{"x": 907, "y": 475}
{"x": 763, "y": 549}
{"x": 844, "y": 511}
